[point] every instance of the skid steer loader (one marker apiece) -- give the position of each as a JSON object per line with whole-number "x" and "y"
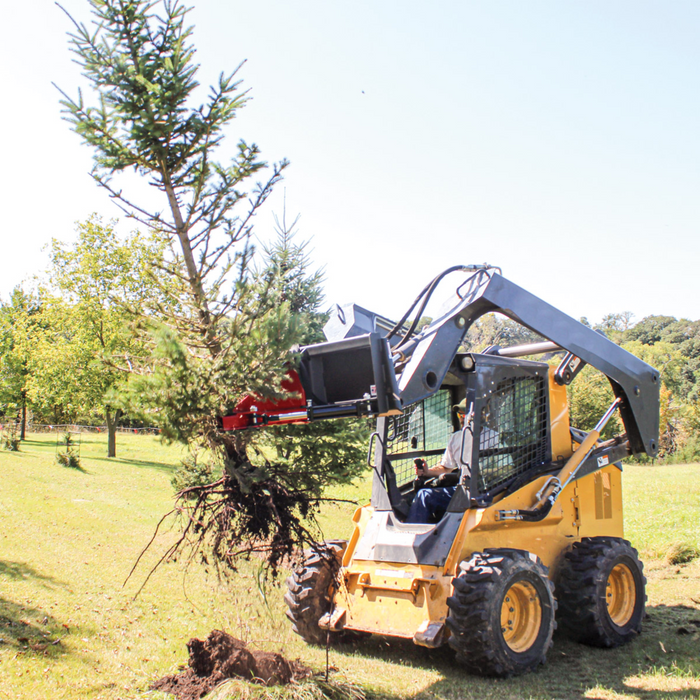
{"x": 533, "y": 533}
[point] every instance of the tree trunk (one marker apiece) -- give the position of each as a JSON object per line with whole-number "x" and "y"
{"x": 193, "y": 274}
{"x": 23, "y": 424}
{"x": 112, "y": 419}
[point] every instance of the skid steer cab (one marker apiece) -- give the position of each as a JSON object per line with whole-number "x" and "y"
{"x": 523, "y": 531}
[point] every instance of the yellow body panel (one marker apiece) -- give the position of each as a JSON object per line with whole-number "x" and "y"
{"x": 393, "y": 599}
{"x": 599, "y": 501}
{"x": 386, "y": 598}
{"x": 401, "y": 599}
{"x": 559, "y": 418}
{"x": 547, "y": 539}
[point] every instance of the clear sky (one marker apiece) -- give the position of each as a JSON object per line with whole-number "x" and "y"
{"x": 557, "y": 139}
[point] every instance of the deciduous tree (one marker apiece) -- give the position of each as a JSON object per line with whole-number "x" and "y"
{"x": 98, "y": 290}
{"x": 18, "y": 321}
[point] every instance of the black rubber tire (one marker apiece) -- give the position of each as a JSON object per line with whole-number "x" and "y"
{"x": 308, "y": 595}
{"x": 586, "y": 583}
{"x": 481, "y": 591}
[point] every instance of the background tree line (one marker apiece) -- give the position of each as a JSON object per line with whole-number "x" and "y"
{"x": 67, "y": 346}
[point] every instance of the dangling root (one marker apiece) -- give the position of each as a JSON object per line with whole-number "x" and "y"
{"x": 226, "y": 521}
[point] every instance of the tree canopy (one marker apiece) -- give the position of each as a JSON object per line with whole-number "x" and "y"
{"x": 95, "y": 293}
{"x": 18, "y": 321}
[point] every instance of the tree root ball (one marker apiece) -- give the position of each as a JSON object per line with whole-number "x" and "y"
{"x": 221, "y": 656}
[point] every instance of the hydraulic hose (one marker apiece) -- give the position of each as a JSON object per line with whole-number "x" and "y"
{"x": 426, "y": 295}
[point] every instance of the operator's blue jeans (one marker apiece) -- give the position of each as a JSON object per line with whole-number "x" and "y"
{"x": 427, "y": 501}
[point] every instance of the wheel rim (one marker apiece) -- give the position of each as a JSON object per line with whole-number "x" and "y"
{"x": 620, "y": 595}
{"x": 521, "y": 616}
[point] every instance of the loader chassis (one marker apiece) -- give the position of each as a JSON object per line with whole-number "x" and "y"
{"x": 403, "y": 599}
{"x": 397, "y": 577}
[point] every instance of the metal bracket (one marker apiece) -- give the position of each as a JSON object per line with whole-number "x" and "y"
{"x": 568, "y": 368}
{"x": 430, "y": 634}
{"x": 556, "y": 487}
{"x": 333, "y": 620}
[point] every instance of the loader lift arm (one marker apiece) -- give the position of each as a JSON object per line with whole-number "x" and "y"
{"x": 428, "y": 355}
{"x": 367, "y": 375}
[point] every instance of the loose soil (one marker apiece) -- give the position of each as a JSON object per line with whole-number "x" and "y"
{"x": 221, "y": 656}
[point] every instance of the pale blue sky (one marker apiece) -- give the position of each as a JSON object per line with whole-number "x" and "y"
{"x": 556, "y": 139}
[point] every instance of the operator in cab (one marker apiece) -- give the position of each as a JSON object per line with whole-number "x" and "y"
{"x": 429, "y": 501}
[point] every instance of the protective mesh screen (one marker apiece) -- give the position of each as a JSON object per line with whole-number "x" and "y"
{"x": 513, "y": 431}
{"x": 425, "y": 426}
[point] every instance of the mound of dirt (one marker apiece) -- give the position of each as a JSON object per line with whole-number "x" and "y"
{"x": 221, "y": 656}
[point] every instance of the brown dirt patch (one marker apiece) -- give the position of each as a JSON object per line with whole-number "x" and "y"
{"x": 221, "y": 656}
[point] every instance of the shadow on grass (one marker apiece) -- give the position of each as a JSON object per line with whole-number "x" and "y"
{"x": 33, "y": 448}
{"x": 158, "y": 466}
{"x": 93, "y": 440}
{"x": 43, "y": 446}
{"x": 18, "y": 571}
{"x": 665, "y": 655}
{"x": 30, "y": 631}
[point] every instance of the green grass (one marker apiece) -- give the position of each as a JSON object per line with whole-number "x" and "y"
{"x": 662, "y": 507}
{"x": 70, "y": 629}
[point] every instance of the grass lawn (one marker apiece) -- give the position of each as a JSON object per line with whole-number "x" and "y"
{"x": 70, "y": 628}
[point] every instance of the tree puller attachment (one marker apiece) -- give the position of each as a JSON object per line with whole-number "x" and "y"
{"x": 530, "y": 529}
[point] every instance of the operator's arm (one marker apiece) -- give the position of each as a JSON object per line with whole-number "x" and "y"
{"x": 437, "y": 470}
{"x": 447, "y": 463}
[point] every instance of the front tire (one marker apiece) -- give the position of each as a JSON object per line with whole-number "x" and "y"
{"x": 501, "y": 615}
{"x": 601, "y": 592}
{"x": 309, "y": 593}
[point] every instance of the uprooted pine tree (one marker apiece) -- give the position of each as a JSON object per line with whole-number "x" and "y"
{"x": 225, "y": 317}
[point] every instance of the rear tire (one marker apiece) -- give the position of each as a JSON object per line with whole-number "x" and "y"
{"x": 601, "y": 592}
{"x": 309, "y": 594}
{"x": 501, "y": 615}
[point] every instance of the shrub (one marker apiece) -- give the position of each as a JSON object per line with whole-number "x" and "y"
{"x": 69, "y": 458}
{"x": 192, "y": 472}
{"x": 682, "y": 553}
{"x": 689, "y": 451}
{"x": 10, "y": 442}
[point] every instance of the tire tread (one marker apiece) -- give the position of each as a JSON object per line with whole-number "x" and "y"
{"x": 480, "y": 582}
{"x": 581, "y": 588}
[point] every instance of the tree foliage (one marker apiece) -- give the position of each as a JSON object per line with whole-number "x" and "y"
{"x": 138, "y": 59}
{"x": 18, "y": 321}
{"x": 495, "y": 329}
{"x": 649, "y": 330}
{"x": 96, "y": 291}
{"x": 673, "y": 347}
{"x": 277, "y": 479}
{"x": 590, "y": 395}
{"x": 215, "y": 336}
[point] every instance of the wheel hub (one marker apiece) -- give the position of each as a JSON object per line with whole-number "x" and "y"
{"x": 521, "y": 616}
{"x": 620, "y": 595}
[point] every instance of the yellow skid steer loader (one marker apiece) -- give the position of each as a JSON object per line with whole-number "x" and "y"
{"x": 530, "y": 531}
